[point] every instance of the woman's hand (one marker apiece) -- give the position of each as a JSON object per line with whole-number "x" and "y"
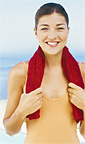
{"x": 77, "y": 95}
{"x": 29, "y": 103}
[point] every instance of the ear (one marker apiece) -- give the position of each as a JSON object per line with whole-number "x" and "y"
{"x": 68, "y": 30}
{"x": 35, "y": 31}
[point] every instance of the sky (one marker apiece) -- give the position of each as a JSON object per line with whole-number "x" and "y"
{"x": 17, "y": 22}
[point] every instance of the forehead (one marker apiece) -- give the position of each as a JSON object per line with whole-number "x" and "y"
{"x": 53, "y": 18}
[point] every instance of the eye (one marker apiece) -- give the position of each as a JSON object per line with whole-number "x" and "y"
{"x": 60, "y": 28}
{"x": 44, "y": 29}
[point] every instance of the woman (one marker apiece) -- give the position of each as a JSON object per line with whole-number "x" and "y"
{"x": 46, "y": 93}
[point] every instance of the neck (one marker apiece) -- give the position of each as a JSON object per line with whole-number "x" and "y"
{"x": 53, "y": 60}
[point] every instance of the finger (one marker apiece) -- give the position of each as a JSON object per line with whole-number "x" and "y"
{"x": 38, "y": 102}
{"x": 72, "y": 100}
{"x": 72, "y": 91}
{"x": 75, "y": 101}
{"x": 41, "y": 101}
{"x": 37, "y": 106}
{"x": 39, "y": 96}
{"x": 73, "y": 86}
{"x": 37, "y": 91}
{"x": 71, "y": 96}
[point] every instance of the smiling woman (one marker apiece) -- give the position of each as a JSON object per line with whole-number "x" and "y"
{"x": 52, "y": 32}
{"x": 48, "y": 91}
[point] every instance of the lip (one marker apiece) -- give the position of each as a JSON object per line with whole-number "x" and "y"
{"x": 52, "y": 43}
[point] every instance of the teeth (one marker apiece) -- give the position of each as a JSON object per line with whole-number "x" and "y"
{"x": 51, "y": 43}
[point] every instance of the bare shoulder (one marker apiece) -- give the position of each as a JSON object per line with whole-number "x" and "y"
{"x": 18, "y": 74}
{"x": 83, "y": 71}
{"x": 16, "y": 81}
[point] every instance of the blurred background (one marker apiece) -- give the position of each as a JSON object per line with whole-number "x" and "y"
{"x": 18, "y": 41}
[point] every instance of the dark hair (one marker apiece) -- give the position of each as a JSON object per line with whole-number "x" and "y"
{"x": 48, "y": 9}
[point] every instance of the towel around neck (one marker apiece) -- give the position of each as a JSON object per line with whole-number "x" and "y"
{"x": 36, "y": 71}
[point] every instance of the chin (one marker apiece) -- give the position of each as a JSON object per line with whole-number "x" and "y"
{"x": 53, "y": 51}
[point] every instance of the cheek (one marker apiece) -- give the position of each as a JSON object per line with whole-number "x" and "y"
{"x": 64, "y": 36}
{"x": 41, "y": 36}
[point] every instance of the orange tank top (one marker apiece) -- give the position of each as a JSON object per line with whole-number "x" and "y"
{"x": 55, "y": 125}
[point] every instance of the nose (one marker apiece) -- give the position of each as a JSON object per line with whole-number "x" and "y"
{"x": 52, "y": 34}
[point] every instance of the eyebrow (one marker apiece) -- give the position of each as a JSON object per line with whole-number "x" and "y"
{"x": 44, "y": 25}
{"x": 60, "y": 24}
{"x": 48, "y": 25}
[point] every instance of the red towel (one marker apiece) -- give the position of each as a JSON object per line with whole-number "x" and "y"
{"x": 36, "y": 71}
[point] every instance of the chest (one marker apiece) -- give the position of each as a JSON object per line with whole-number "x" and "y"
{"x": 56, "y": 121}
{"x": 54, "y": 84}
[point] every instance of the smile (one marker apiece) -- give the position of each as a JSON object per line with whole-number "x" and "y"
{"x": 52, "y": 44}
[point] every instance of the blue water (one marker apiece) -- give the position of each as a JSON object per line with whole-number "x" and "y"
{"x": 7, "y": 63}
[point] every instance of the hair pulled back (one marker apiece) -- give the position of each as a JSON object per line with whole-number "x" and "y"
{"x": 48, "y": 9}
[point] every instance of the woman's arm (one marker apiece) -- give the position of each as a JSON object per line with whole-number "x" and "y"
{"x": 82, "y": 124}
{"x": 13, "y": 119}
{"x": 77, "y": 97}
{"x": 19, "y": 104}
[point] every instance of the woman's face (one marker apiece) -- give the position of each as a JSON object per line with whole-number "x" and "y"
{"x": 52, "y": 33}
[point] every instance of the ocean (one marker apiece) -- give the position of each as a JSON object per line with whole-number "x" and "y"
{"x": 6, "y": 63}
